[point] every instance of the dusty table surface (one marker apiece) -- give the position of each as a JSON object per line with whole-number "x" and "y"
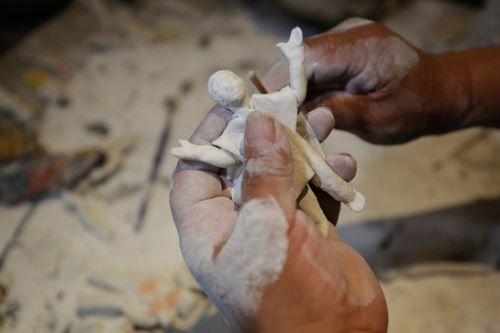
{"x": 118, "y": 67}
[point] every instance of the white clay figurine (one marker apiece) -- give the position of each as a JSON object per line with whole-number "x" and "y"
{"x": 229, "y": 90}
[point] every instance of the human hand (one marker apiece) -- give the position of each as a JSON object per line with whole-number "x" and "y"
{"x": 266, "y": 267}
{"x": 378, "y": 85}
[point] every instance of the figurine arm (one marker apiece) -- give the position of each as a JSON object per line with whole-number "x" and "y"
{"x": 325, "y": 178}
{"x": 204, "y": 153}
{"x": 293, "y": 50}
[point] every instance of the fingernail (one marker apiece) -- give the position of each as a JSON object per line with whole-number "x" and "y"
{"x": 322, "y": 121}
{"x": 322, "y": 114}
{"x": 260, "y": 130}
{"x": 343, "y": 164}
{"x": 340, "y": 161}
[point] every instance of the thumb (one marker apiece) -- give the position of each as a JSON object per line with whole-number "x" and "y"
{"x": 268, "y": 163}
{"x": 349, "y": 110}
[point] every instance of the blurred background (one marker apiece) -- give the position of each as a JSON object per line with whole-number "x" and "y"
{"x": 94, "y": 94}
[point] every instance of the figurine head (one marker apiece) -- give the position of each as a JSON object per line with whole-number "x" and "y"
{"x": 227, "y": 89}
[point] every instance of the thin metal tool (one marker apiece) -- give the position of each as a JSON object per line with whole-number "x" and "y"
{"x": 17, "y": 234}
{"x": 171, "y": 106}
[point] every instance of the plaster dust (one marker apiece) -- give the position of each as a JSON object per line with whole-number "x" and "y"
{"x": 229, "y": 91}
{"x": 351, "y": 23}
{"x": 252, "y": 258}
{"x": 56, "y": 253}
{"x": 447, "y": 297}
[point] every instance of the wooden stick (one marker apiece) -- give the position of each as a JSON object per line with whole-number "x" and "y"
{"x": 252, "y": 76}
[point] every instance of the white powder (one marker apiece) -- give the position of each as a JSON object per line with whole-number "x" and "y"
{"x": 325, "y": 276}
{"x": 252, "y": 258}
{"x": 269, "y": 161}
{"x": 351, "y": 23}
{"x": 389, "y": 57}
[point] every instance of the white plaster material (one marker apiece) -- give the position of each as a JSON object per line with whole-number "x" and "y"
{"x": 279, "y": 105}
{"x": 293, "y": 50}
{"x": 260, "y": 244}
{"x": 204, "y": 153}
{"x": 228, "y": 90}
{"x": 351, "y": 23}
{"x": 305, "y": 130}
{"x": 324, "y": 177}
{"x": 56, "y": 252}
{"x": 146, "y": 300}
{"x": 231, "y": 139}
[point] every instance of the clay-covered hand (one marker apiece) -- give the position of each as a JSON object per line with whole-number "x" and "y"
{"x": 267, "y": 267}
{"x": 378, "y": 85}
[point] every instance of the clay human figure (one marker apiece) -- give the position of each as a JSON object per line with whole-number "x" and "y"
{"x": 229, "y": 90}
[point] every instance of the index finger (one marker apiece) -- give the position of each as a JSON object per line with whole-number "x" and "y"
{"x": 325, "y": 57}
{"x": 194, "y": 182}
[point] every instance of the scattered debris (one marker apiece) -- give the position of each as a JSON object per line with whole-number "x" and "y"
{"x": 30, "y": 179}
{"x": 50, "y": 320}
{"x": 171, "y": 104}
{"x": 29, "y": 172}
{"x": 63, "y": 101}
{"x": 165, "y": 33}
{"x": 36, "y": 78}
{"x": 98, "y": 128}
{"x": 8, "y": 312}
{"x": 89, "y": 213}
{"x": 123, "y": 190}
{"x": 17, "y": 139}
{"x": 113, "y": 158}
{"x": 469, "y": 144}
{"x": 95, "y": 325}
{"x": 205, "y": 41}
{"x": 147, "y": 301}
{"x": 186, "y": 87}
{"x": 3, "y": 294}
{"x": 60, "y": 295}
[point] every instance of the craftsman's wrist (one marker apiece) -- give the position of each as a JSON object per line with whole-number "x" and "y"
{"x": 456, "y": 103}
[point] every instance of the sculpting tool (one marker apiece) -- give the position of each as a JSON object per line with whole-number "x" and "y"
{"x": 252, "y": 76}
{"x": 16, "y": 235}
{"x": 171, "y": 106}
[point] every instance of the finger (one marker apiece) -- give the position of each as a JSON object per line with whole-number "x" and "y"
{"x": 332, "y": 57}
{"x": 194, "y": 182}
{"x": 210, "y": 128}
{"x": 345, "y": 166}
{"x": 323, "y": 64}
{"x": 277, "y": 76}
{"x": 268, "y": 163}
{"x": 322, "y": 122}
{"x": 348, "y": 110}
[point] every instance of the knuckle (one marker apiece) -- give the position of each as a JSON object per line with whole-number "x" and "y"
{"x": 269, "y": 162}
